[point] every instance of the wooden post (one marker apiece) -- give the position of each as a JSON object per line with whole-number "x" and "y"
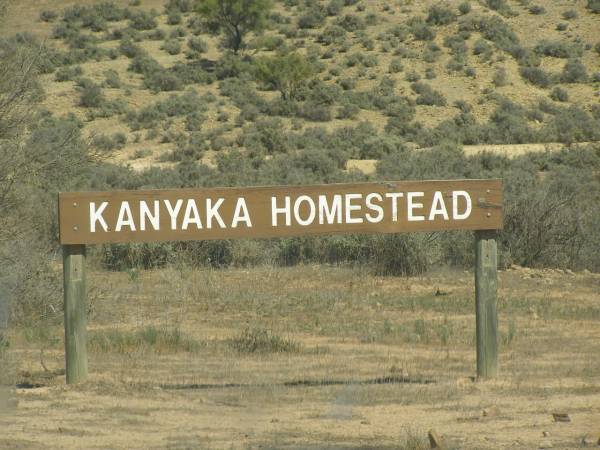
{"x": 486, "y": 285}
{"x": 75, "y": 313}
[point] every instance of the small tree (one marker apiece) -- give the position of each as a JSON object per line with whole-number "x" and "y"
{"x": 235, "y": 18}
{"x": 285, "y": 73}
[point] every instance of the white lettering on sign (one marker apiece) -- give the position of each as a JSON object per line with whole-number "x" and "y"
{"x": 191, "y": 215}
{"x": 412, "y": 205}
{"x": 312, "y": 210}
{"x": 438, "y": 207}
{"x": 125, "y": 218}
{"x": 286, "y": 211}
{"x": 275, "y": 210}
{"x": 350, "y": 207}
{"x": 394, "y": 196}
{"x": 332, "y": 213}
{"x": 153, "y": 217}
{"x": 469, "y": 207}
{"x": 373, "y": 207}
{"x": 173, "y": 212}
{"x": 212, "y": 212}
{"x": 241, "y": 214}
{"x": 96, "y": 216}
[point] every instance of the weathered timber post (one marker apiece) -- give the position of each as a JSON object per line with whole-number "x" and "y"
{"x": 486, "y": 287}
{"x": 75, "y": 313}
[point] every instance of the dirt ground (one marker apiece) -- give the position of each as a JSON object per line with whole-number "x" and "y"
{"x": 376, "y": 362}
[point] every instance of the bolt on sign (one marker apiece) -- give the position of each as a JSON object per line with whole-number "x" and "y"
{"x": 257, "y": 212}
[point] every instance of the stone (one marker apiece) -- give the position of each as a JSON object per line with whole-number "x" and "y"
{"x": 435, "y": 441}
{"x": 492, "y": 411}
{"x": 545, "y": 444}
{"x": 590, "y": 440}
{"x": 561, "y": 417}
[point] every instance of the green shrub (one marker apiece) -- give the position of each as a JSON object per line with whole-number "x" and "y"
{"x": 316, "y": 112}
{"x": 562, "y": 26}
{"x": 130, "y": 49}
{"x": 471, "y": 72}
{"x": 182, "y": 6}
{"x": 347, "y": 84}
{"x": 399, "y": 32}
{"x": 500, "y": 77}
{"x": 570, "y": 125}
{"x": 494, "y": 29}
{"x": 112, "y": 79}
{"x": 574, "y": 72}
{"x": 427, "y": 95}
{"x": 440, "y": 14}
{"x": 266, "y": 136}
{"x": 109, "y": 143}
{"x": 481, "y": 47}
{"x": 501, "y": 6}
{"x": 536, "y": 76}
{"x": 177, "y": 33}
{"x": 142, "y": 20}
{"x": 313, "y": 18}
{"x": 558, "y": 49}
{"x": 594, "y": 6}
{"x": 396, "y": 66}
{"x": 421, "y": 31}
{"x": 196, "y": 25}
{"x": 334, "y": 7}
{"x": 155, "y": 35}
{"x": 91, "y": 95}
{"x": 48, "y": 15}
{"x": 559, "y": 94}
{"x": 68, "y": 73}
{"x": 172, "y": 47}
{"x": 464, "y": 8}
{"x": 546, "y": 221}
{"x": 144, "y": 64}
{"x": 287, "y": 73}
{"x": 176, "y": 105}
{"x": 110, "y": 12}
{"x": 174, "y": 17}
{"x": 333, "y": 34}
{"x": 348, "y": 111}
{"x": 412, "y": 76}
{"x": 350, "y": 23}
{"x": 196, "y": 46}
{"x": 569, "y": 14}
{"x": 463, "y": 106}
{"x": 537, "y": 9}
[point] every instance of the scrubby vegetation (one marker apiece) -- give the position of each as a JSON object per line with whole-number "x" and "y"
{"x": 287, "y": 93}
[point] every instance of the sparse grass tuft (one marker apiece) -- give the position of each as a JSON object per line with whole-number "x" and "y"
{"x": 262, "y": 340}
{"x": 158, "y": 339}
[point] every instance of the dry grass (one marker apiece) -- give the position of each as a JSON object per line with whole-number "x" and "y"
{"x": 313, "y": 356}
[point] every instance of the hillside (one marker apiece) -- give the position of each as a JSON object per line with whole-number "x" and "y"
{"x": 152, "y": 86}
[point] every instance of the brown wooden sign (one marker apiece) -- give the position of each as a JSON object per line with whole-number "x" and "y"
{"x": 223, "y": 213}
